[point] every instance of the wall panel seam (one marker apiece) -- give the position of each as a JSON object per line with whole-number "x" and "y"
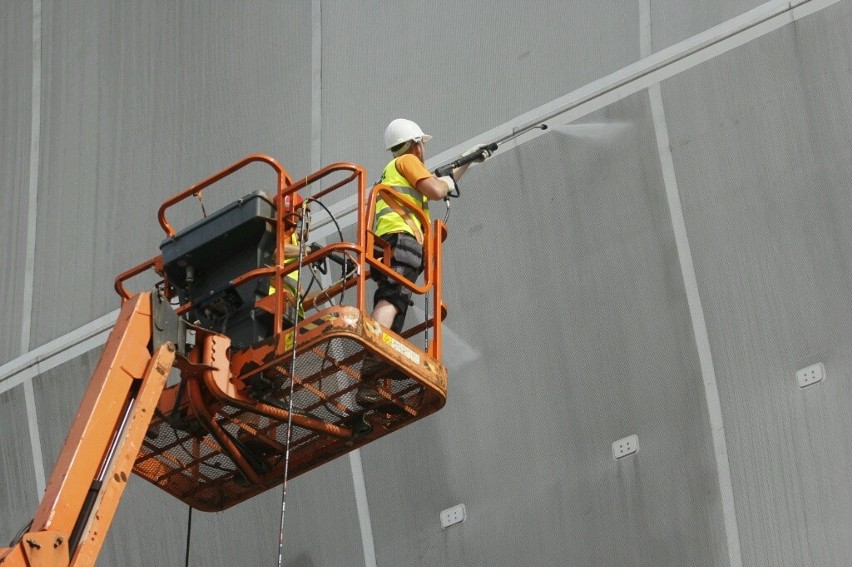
{"x": 363, "y": 507}
{"x": 699, "y": 328}
{"x": 56, "y": 352}
{"x": 29, "y": 270}
{"x": 693, "y": 296}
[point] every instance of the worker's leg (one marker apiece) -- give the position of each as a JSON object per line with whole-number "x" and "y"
{"x": 391, "y": 303}
{"x": 384, "y": 313}
{"x": 391, "y": 299}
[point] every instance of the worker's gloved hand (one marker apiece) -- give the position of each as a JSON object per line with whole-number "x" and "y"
{"x": 314, "y": 246}
{"x": 484, "y": 153}
{"x": 451, "y": 183}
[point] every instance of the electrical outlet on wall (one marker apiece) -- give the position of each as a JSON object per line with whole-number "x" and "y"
{"x": 625, "y": 446}
{"x": 810, "y": 375}
{"x": 453, "y": 515}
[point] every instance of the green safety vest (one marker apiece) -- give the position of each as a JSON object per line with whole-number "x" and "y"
{"x": 387, "y": 220}
{"x": 291, "y": 279}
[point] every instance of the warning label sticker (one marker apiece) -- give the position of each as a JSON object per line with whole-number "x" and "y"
{"x": 286, "y": 344}
{"x": 401, "y": 348}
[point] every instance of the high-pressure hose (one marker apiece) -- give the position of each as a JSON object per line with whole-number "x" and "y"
{"x": 344, "y": 263}
{"x": 302, "y": 238}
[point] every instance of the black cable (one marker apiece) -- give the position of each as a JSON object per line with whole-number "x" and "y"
{"x": 426, "y": 321}
{"x": 200, "y": 202}
{"x": 339, "y": 234}
{"x": 330, "y": 215}
{"x": 344, "y": 274}
{"x": 21, "y": 533}
{"x": 188, "y": 534}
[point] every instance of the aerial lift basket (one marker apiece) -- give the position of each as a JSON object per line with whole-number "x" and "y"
{"x": 268, "y": 382}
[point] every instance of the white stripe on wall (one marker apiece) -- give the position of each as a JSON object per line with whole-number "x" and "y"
{"x": 29, "y": 270}
{"x": 693, "y": 297}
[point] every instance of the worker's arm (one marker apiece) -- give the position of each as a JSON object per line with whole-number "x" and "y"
{"x": 291, "y": 250}
{"x": 483, "y": 151}
{"x": 446, "y": 184}
{"x": 459, "y": 171}
{"x": 434, "y": 188}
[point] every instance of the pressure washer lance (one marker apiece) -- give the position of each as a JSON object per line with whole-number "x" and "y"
{"x": 480, "y": 154}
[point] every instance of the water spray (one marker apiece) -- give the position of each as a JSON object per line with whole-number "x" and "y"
{"x": 594, "y": 132}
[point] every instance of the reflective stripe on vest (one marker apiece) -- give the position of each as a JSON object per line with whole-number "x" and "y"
{"x": 387, "y": 221}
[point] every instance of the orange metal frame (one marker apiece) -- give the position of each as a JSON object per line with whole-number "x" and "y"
{"x": 88, "y": 480}
{"x": 215, "y": 442}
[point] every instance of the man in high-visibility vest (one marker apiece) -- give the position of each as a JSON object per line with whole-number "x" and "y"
{"x": 407, "y": 174}
{"x": 295, "y": 207}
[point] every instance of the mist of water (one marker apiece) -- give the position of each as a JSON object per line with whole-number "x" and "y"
{"x": 598, "y": 132}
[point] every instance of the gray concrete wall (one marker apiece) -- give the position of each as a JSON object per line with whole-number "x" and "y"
{"x": 140, "y": 101}
{"x": 16, "y": 70}
{"x": 761, "y": 144}
{"x": 661, "y": 266}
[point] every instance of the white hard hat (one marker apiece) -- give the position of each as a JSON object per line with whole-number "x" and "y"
{"x": 401, "y": 130}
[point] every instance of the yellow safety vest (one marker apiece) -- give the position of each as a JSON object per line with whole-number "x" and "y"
{"x": 387, "y": 220}
{"x": 291, "y": 279}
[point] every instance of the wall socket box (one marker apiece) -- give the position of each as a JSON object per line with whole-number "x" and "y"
{"x": 810, "y": 375}
{"x": 453, "y": 515}
{"x": 625, "y": 446}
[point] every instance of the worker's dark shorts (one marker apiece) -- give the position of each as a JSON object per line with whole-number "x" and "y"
{"x": 408, "y": 261}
